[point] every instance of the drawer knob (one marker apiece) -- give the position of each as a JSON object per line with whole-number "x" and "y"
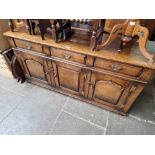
{"x": 29, "y": 46}
{"x": 67, "y": 56}
{"x": 116, "y": 67}
{"x": 133, "y": 88}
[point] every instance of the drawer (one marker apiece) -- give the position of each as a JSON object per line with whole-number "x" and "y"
{"x": 118, "y": 67}
{"x": 64, "y": 54}
{"x": 32, "y": 46}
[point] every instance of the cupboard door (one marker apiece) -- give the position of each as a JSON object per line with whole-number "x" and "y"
{"x": 107, "y": 89}
{"x": 35, "y": 67}
{"x": 70, "y": 78}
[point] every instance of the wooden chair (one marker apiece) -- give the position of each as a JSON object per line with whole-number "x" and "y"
{"x": 61, "y": 29}
{"x": 13, "y": 23}
{"x": 93, "y": 28}
{"x": 126, "y": 31}
{"x": 43, "y": 25}
{"x": 57, "y": 28}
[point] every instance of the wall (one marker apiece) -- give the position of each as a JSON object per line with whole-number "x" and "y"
{"x": 4, "y": 44}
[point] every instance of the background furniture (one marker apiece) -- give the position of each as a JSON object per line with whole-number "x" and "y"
{"x": 87, "y": 31}
{"x": 110, "y": 23}
{"x": 127, "y": 31}
{"x": 82, "y": 31}
{"x": 4, "y": 44}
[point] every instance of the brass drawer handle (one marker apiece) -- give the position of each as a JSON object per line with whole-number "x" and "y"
{"x": 29, "y": 46}
{"x": 116, "y": 67}
{"x": 133, "y": 88}
{"x": 67, "y": 56}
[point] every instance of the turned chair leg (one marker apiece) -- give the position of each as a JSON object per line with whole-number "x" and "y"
{"x": 121, "y": 46}
{"x": 93, "y": 40}
{"x": 28, "y": 27}
{"x": 11, "y": 25}
{"x": 18, "y": 20}
{"x": 33, "y": 25}
{"x": 42, "y": 31}
{"x": 54, "y": 33}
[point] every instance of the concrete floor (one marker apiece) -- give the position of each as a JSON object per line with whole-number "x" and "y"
{"x": 29, "y": 109}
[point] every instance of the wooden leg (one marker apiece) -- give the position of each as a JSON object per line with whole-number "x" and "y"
{"x": 121, "y": 46}
{"x": 33, "y": 25}
{"x": 28, "y": 25}
{"x": 54, "y": 34}
{"x": 100, "y": 31}
{"x": 144, "y": 51}
{"x": 143, "y": 34}
{"x": 42, "y": 35}
{"x": 42, "y": 31}
{"x": 93, "y": 41}
{"x": 11, "y": 25}
{"x": 66, "y": 30}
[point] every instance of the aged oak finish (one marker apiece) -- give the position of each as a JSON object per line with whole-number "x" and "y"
{"x": 107, "y": 78}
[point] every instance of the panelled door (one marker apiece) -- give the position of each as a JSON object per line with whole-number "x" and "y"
{"x": 70, "y": 78}
{"x": 109, "y": 90}
{"x": 35, "y": 67}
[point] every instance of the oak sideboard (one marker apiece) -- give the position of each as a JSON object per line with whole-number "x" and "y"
{"x": 108, "y": 78}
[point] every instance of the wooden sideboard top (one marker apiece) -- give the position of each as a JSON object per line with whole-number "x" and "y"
{"x": 127, "y": 55}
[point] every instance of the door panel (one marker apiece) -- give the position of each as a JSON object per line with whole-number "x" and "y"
{"x": 71, "y": 78}
{"x": 107, "y": 89}
{"x": 35, "y": 67}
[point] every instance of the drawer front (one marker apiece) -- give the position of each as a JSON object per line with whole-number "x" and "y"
{"x": 118, "y": 67}
{"x": 29, "y": 45}
{"x": 64, "y": 54}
